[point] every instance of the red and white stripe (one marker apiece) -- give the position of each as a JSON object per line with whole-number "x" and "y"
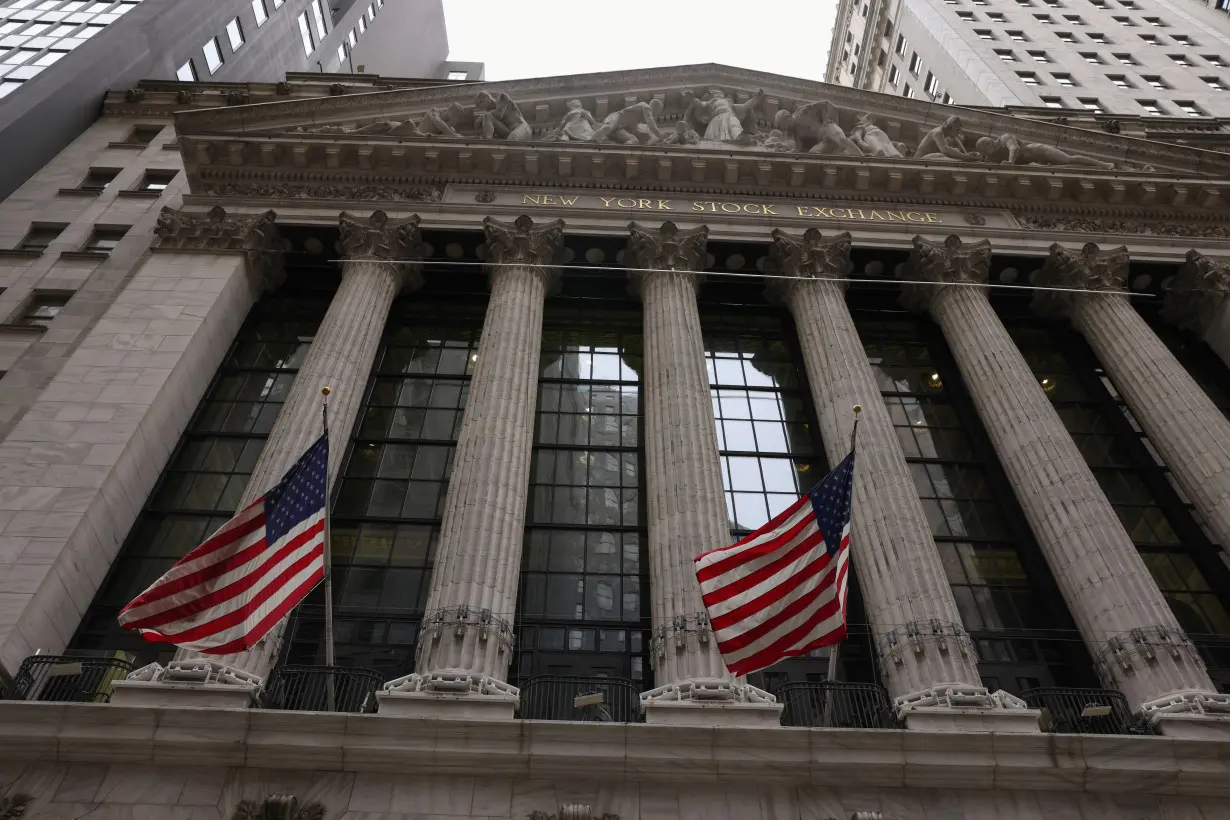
{"x": 226, "y": 594}
{"x": 777, "y": 593}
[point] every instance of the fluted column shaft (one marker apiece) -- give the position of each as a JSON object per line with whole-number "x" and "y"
{"x": 467, "y": 632}
{"x": 341, "y": 357}
{"x": 1187, "y": 428}
{"x": 1137, "y": 643}
{"x": 900, "y": 574}
{"x": 686, "y": 505}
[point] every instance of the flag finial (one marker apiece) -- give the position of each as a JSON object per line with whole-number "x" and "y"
{"x": 326, "y": 390}
{"x": 858, "y": 409}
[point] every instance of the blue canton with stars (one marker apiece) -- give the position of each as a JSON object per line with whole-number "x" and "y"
{"x": 831, "y": 500}
{"x": 299, "y": 495}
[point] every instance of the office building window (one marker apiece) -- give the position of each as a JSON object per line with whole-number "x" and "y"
{"x": 371, "y": 13}
{"x": 260, "y": 12}
{"x": 1017, "y": 37}
{"x": 1099, "y": 4}
{"x": 1007, "y": 55}
{"x": 234, "y": 33}
{"x": 277, "y": 4}
{"x": 1040, "y": 57}
{"x": 1066, "y": 36}
{"x": 894, "y": 75}
{"x": 1216, "y": 60}
{"x": 1182, "y": 39}
{"x": 156, "y": 181}
{"x": 1098, "y": 38}
{"x": 984, "y": 34}
{"x": 43, "y": 308}
{"x": 461, "y": 75}
{"x": 932, "y": 85}
{"x": 318, "y": 19}
{"x": 1126, "y": 59}
{"x": 1214, "y": 83}
{"x": 1156, "y": 82}
{"x": 907, "y": 92}
{"x": 186, "y": 72}
{"x": 1065, "y": 80}
{"x": 143, "y": 134}
{"x": 97, "y": 179}
{"x": 915, "y": 63}
{"x": 305, "y": 34}
{"x": 1155, "y": 22}
{"x": 1190, "y": 109}
{"x": 353, "y": 38}
{"x": 967, "y": 16}
{"x": 1151, "y": 108}
{"x": 996, "y": 17}
{"x": 1124, "y": 21}
{"x": 1074, "y": 19}
{"x": 104, "y": 240}
{"x": 1045, "y": 19}
{"x": 1151, "y": 39}
{"x": 901, "y": 45}
{"x": 1092, "y": 105}
{"x": 362, "y": 25}
{"x": 1029, "y": 78}
{"x": 39, "y": 237}
{"x": 1119, "y": 80}
{"x": 213, "y": 55}
{"x": 1129, "y": 4}
{"x": 1092, "y": 58}
{"x": 1182, "y": 60}
{"x": 946, "y": 99}
{"x": 1052, "y": 102}
{"x": 341, "y": 55}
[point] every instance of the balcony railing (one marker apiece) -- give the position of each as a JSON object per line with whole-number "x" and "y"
{"x": 66, "y": 679}
{"x": 1084, "y": 711}
{"x": 836, "y": 705}
{"x": 323, "y": 689}
{"x": 559, "y": 697}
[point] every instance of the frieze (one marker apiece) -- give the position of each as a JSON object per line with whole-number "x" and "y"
{"x": 12, "y": 808}
{"x": 1219, "y": 230}
{"x": 355, "y": 193}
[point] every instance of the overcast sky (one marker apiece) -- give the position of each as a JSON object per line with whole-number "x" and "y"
{"x": 541, "y": 38}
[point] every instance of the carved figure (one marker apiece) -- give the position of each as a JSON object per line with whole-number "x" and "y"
{"x": 636, "y": 123}
{"x": 578, "y": 125}
{"x": 1008, "y": 150}
{"x": 944, "y": 143}
{"x": 683, "y": 134}
{"x": 719, "y": 119}
{"x": 499, "y": 116}
{"x": 778, "y": 139}
{"x": 815, "y": 130}
{"x": 436, "y": 122}
{"x": 872, "y": 140}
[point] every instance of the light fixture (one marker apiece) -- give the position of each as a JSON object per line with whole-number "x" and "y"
{"x": 934, "y": 381}
{"x": 473, "y": 357}
{"x": 1048, "y": 385}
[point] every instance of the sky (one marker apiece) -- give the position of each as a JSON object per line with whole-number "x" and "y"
{"x": 542, "y": 38}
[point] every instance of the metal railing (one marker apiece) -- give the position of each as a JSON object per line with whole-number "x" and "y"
{"x": 63, "y": 678}
{"x": 323, "y": 689}
{"x": 560, "y": 697}
{"x": 836, "y": 705}
{"x": 1084, "y": 711}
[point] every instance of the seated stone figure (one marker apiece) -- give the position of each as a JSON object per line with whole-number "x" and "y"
{"x": 636, "y": 123}
{"x": 814, "y": 129}
{"x": 872, "y": 140}
{"x": 577, "y": 125}
{"x": 499, "y": 117}
{"x": 944, "y": 143}
{"x": 1009, "y": 150}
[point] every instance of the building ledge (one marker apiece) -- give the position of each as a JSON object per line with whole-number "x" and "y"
{"x": 138, "y": 194}
{"x": 87, "y": 256}
{"x": 30, "y": 330}
{"x": 128, "y": 145}
{"x": 853, "y": 758}
{"x": 19, "y": 253}
{"x": 86, "y": 192}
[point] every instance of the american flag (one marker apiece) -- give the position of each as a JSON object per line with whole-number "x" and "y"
{"x": 781, "y": 591}
{"x": 226, "y": 594}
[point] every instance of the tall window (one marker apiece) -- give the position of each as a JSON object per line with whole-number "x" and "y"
{"x": 305, "y": 34}
{"x": 206, "y": 476}
{"x": 584, "y": 606}
{"x": 1157, "y": 517}
{"x": 1004, "y": 592}
{"x": 389, "y": 501}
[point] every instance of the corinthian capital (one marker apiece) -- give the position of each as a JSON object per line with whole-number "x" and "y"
{"x": 951, "y": 262}
{"x": 522, "y": 242}
{"x": 378, "y": 237}
{"x": 667, "y": 248}
{"x": 215, "y": 231}
{"x": 809, "y": 256}
{"x": 1198, "y": 292}
{"x": 1068, "y": 271}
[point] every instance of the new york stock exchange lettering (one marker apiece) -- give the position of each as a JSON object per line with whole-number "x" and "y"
{"x": 708, "y": 206}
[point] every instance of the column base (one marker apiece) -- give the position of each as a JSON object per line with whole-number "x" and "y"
{"x": 194, "y": 683}
{"x": 697, "y": 713}
{"x": 961, "y": 707}
{"x": 1190, "y": 714}
{"x": 450, "y": 694}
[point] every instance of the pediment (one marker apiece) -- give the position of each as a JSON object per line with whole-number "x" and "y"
{"x": 797, "y": 137}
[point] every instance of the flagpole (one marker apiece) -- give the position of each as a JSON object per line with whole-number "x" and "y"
{"x": 835, "y": 652}
{"x": 329, "y": 658}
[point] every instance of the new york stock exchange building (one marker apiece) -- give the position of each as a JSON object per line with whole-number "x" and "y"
{"x": 579, "y": 330}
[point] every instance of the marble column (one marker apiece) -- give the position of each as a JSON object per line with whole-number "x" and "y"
{"x": 1199, "y": 301}
{"x": 919, "y": 636}
{"x": 1137, "y": 644}
{"x": 1189, "y": 431}
{"x": 685, "y": 503}
{"x": 466, "y": 642}
{"x": 341, "y": 356}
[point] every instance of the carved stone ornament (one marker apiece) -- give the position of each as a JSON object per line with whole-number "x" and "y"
{"x": 282, "y": 89}
{"x": 380, "y": 238}
{"x": 1118, "y": 657}
{"x": 238, "y": 98}
{"x": 349, "y": 193}
{"x": 257, "y": 237}
{"x": 1089, "y": 269}
{"x": 184, "y": 96}
{"x": 572, "y": 811}
{"x": 337, "y": 90}
{"x": 521, "y": 242}
{"x": 12, "y": 808}
{"x": 1220, "y": 230}
{"x": 484, "y": 197}
{"x": 278, "y": 807}
{"x": 667, "y": 248}
{"x": 134, "y": 95}
{"x": 951, "y": 262}
{"x": 977, "y": 220}
{"x": 811, "y": 256}
{"x": 1198, "y": 293}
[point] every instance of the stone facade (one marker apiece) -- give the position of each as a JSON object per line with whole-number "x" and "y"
{"x": 661, "y": 173}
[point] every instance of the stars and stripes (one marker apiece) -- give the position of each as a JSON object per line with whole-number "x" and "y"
{"x": 226, "y": 594}
{"x": 781, "y": 591}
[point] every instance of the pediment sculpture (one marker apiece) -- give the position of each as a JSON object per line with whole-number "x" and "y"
{"x": 717, "y": 121}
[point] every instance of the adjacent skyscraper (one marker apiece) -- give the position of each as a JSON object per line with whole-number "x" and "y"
{"x": 58, "y": 58}
{"x": 1158, "y": 58}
